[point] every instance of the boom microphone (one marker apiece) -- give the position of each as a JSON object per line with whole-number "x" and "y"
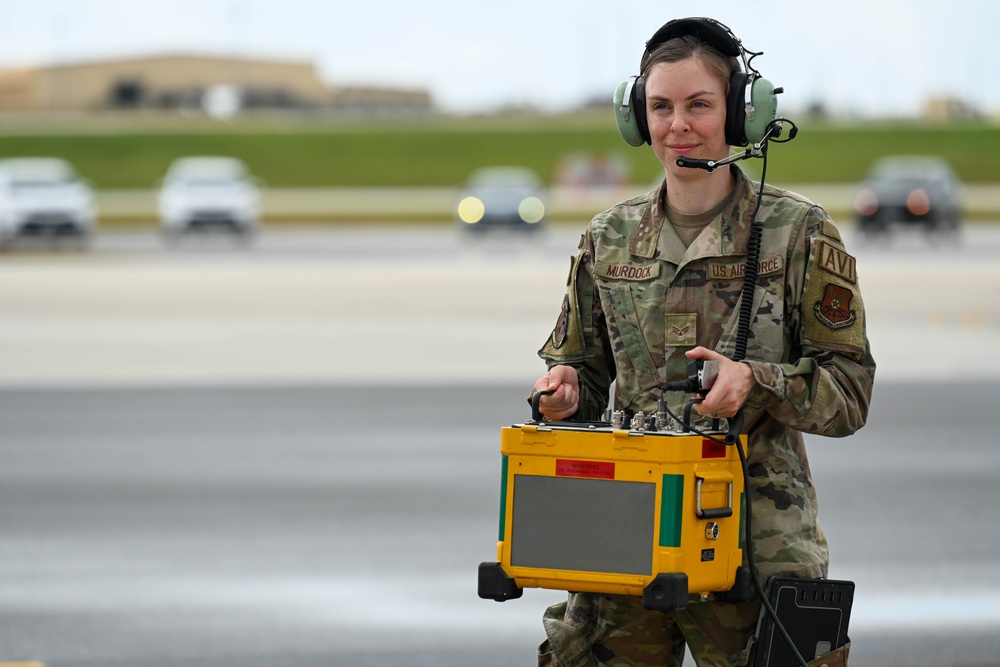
{"x": 709, "y": 165}
{"x": 756, "y": 150}
{"x": 695, "y": 163}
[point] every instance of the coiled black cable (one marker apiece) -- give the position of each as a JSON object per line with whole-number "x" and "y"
{"x": 739, "y": 354}
{"x": 750, "y": 272}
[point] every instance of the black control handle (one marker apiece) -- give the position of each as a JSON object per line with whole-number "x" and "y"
{"x": 536, "y": 413}
{"x": 735, "y": 427}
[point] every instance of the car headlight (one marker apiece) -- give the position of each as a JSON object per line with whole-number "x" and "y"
{"x": 865, "y": 202}
{"x": 918, "y": 203}
{"x": 471, "y": 210}
{"x": 531, "y": 210}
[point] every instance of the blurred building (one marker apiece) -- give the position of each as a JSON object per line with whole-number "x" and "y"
{"x": 185, "y": 82}
{"x": 944, "y": 109}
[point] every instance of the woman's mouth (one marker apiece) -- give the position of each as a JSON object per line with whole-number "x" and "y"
{"x": 683, "y": 149}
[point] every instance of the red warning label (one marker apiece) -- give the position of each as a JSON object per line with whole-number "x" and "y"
{"x": 594, "y": 469}
{"x": 710, "y": 449}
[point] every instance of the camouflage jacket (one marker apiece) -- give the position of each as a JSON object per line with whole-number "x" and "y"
{"x": 637, "y": 299}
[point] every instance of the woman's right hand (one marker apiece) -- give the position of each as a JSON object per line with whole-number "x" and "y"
{"x": 565, "y": 399}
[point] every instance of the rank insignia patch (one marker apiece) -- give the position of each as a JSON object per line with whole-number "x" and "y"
{"x": 834, "y": 310}
{"x": 682, "y": 329}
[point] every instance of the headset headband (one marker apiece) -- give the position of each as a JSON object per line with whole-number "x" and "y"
{"x": 707, "y": 30}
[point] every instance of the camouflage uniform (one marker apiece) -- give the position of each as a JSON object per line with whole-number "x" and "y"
{"x": 637, "y": 299}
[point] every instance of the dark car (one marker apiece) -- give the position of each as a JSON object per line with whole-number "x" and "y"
{"x": 915, "y": 191}
{"x": 512, "y": 197}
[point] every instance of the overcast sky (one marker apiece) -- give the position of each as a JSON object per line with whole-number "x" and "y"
{"x": 870, "y": 57}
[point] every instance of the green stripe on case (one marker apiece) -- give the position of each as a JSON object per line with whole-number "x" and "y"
{"x": 742, "y": 529}
{"x": 671, "y": 510}
{"x": 503, "y": 497}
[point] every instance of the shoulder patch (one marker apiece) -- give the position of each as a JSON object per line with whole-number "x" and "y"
{"x": 834, "y": 312}
{"x": 839, "y": 263}
{"x": 834, "y": 309}
{"x": 569, "y": 338}
{"x": 562, "y": 324}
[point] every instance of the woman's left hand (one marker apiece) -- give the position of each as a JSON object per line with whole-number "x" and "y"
{"x": 731, "y": 388}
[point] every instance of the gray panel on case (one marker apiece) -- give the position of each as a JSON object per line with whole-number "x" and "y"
{"x": 592, "y": 525}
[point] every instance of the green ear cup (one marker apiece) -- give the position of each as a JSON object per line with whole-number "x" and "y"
{"x": 765, "y": 107}
{"x": 628, "y": 124}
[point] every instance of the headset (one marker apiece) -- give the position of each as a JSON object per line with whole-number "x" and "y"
{"x": 751, "y": 105}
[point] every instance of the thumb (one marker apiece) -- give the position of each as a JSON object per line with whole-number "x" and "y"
{"x": 702, "y": 353}
{"x": 555, "y": 379}
{"x": 557, "y": 375}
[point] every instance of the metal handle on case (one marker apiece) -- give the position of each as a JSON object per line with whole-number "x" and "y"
{"x": 717, "y": 513}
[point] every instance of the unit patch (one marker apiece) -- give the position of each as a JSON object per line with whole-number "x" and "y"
{"x": 838, "y": 262}
{"x": 834, "y": 310}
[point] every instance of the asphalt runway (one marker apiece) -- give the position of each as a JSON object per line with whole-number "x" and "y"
{"x": 287, "y": 454}
{"x": 343, "y": 526}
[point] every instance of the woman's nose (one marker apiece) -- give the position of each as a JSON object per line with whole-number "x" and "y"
{"x": 679, "y": 122}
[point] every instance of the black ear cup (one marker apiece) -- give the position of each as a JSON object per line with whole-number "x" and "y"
{"x": 735, "y": 112}
{"x": 639, "y": 97}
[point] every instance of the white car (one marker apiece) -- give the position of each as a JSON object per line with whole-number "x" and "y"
{"x": 207, "y": 194}
{"x": 43, "y": 197}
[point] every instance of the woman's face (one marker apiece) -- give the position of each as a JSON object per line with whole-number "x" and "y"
{"x": 686, "y": 112}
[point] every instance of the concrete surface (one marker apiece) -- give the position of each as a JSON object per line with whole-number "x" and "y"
{"x": 405, "y": 305}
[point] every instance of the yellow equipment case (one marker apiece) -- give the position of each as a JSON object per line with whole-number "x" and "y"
{"x": 591, "y": 507}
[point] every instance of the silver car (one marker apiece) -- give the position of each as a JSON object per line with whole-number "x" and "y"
{"x": 208, "y": 193}
{"x": 43, "y": 197}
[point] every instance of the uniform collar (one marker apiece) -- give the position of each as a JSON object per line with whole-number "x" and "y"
{"x": 655, "y": 238}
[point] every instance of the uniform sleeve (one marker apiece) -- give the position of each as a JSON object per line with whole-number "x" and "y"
{"x": 579, "y": 338}
{"x": 825, "y": 388}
